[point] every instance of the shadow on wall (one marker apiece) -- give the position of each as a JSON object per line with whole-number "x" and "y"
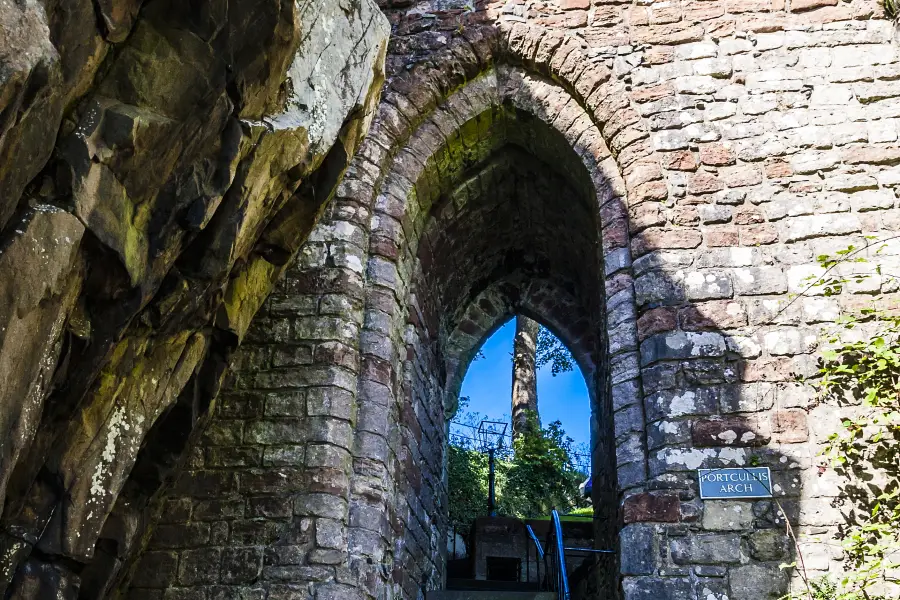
{"x": 488, "y": 188}
{"x": 697, "y": 405}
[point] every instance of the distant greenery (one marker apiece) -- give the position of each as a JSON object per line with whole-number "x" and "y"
{"x": 541, "y": 475}
{"x": 538, "y": 475}
{"x": 468, "y": 487}
{"x": 550, "y": 350}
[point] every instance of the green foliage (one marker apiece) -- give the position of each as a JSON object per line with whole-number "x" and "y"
{"x": 866, "y": 374}
{"x": 541, "y": 477}
{"x": 892, "y": 9}
{"x": 585, "y": 511}
{"x": 553, "y": 352}
{"x": 538, "y": 475}
{"x": 468, "y": 490}
{"x": 823, "y": 589}
{"x": 861, "y": 371}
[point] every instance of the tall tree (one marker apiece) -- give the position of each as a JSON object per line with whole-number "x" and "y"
{"x": 524, "y": 387}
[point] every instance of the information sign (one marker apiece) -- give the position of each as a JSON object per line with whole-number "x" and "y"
{"x": 743, "y": 482}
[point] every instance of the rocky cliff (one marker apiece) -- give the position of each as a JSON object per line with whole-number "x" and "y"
{"x": 160, "y": 164}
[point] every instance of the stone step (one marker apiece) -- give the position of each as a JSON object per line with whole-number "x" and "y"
{"x": 488, "y": 595}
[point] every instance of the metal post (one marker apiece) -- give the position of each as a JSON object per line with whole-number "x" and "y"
{"x": 492, "y": 509}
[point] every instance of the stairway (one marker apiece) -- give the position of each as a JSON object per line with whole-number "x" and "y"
{"x": 475, "y": 589}
{"x": 488, "y": 595}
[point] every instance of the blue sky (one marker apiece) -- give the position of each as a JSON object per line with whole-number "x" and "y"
{"x": 488, "y": 384}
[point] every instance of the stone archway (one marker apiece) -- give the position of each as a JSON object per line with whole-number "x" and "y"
{"x": 517, "y": 139}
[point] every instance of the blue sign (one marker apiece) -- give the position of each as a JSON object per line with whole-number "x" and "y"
{"x": 744, "y": 482}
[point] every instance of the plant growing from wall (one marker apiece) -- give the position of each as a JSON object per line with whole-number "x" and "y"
{"x": 860, "y": 371}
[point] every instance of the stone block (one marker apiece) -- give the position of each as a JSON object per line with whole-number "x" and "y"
{"x": 727, "y": 257}
{"x": 638, "y": 549}
{"x": 790, "y": 426}
{"x": 631, "y": 475}
{"x": 658, "y": 287}
{"x": 753, "y": 281}
{"x": 626, "y": 394}
{"x": 720, "y": 515}
{"x": 718, "y": 314}
{"x": 624, "y": 367}
{"x": 291, "y": 456}
{"x": 670, "y": 140}
{"x": 745, "y": 346}
{"x": 703, "y": 182}
{"x": 728, "y": 431}
{"x": 659, "y": 507}
{"x": 628, "y": 420}
{"x": 789, "y": 341}
{"x": 630, "y": 449}
{"x": 681, "y": 345}
{"x": 320, "y": 505}
{"x": 668, "y": 433}
{"x": 286, "y": 404}
{"x": 706, "y": 549}
{"x": 655, "y": 321}
{"x": 241, "y": 565}
{"x": 199, "y": 566}
{"x": 714, "y": 213}
{"x": 657, "y": 238}
{"x": 716, "y": 154}
{"x": 707, "y": 285}
{"x": 655, "y": 588}
{"x": 758, "y": 582}
{"x": 679, "y": 402}
{"x": 802, "y": 228}
{"x": 660, "y": 377}
{"x": 768, "y": 544}
{"x": 156, "y": 570}
{"x": 290, "y": 431}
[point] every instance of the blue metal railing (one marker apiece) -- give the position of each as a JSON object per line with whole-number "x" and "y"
{"x": 554, "y": 556}
{"x": 539, "y": 556}
{"x": 557, "y": 550}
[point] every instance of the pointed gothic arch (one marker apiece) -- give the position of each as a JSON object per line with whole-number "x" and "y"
{"x": 436, "y": 128}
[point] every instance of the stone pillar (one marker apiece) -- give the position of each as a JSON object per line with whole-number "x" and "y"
{"x": 524, "y": 384}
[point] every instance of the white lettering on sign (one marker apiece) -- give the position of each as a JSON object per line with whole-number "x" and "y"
{"x": 746, "y": 482}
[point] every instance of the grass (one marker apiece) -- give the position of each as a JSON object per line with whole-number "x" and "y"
{"x": 579, "y": 514}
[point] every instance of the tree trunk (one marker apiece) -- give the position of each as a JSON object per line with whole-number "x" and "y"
{"x": 524, "y": 387}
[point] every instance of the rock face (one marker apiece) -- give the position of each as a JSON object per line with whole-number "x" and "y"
{"x": 160, "y": 164}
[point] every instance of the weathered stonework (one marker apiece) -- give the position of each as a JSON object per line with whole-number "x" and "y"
{"x": 653, "y": 181}
{"x": 160, "y": 165}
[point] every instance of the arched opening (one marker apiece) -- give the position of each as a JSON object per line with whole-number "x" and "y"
{"x": 539, "y": 464}
{"x": 489, "y": 211}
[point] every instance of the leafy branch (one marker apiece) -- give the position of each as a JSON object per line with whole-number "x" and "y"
{"x": 892, "y": 9}
{"x": 862, "y": 374}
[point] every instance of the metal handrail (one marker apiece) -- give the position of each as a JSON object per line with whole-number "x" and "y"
{"x": 591, "y": 550}
{"x": 562, "y": 577}
{"x": 537, "y": 542}
{"x": 539, "y": 556}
